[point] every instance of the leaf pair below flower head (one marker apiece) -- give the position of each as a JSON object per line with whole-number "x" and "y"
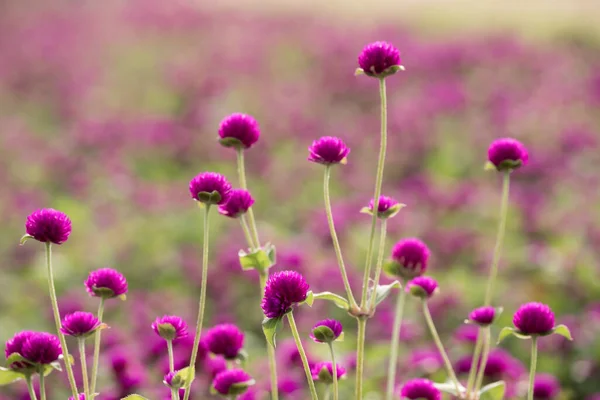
{"x": 561, "y": 330}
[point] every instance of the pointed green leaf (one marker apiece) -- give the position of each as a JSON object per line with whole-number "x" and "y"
{"x": 310, "y": 298}
{"x": 504, "y": 333}
{"x": 493, "y": 391}
{"x": 449, "y": 387}
{"x": 15, "y": 357}
{"x": 359, "y": 71}
{"x": 25, "y": 238}
{"x": 563, "y": 331}
{"x": 183, "y": 376}
{"x": 340, "y": 338}
{"x": 270, "y": 327}
{"x": 259, "y": 259}
{"x": 335, "y": 298}
{"x": 134, "y": 397}
{"x": 489, "y": 166}
{"x": 8, "y": 376}
{"x": 383, "y": 291}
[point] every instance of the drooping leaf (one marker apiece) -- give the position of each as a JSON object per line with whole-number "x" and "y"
{"x": 183, "y": 376}
{"x": 384, "y": 291}
{"x": 335, "y": 298}
{"x": 270, "y": 327}
{"x": 563, "y": 331}
{"x": 134, "y": 397}
{"x": 450, "y": 387}
{"x": 8, "y": 376}
{"x": 25, "y": 238}
{"x": 493, "y": 391}
{"x": 508, "y": 331}
{"x": 310, "y": 298}
{"x": 260, "y": 259}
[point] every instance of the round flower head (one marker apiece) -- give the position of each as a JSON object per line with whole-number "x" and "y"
{"x": 409, "y": 259}
{"x": 507, "y": 154}
{"x": 225, "y": 339}
{"x": 48, "y": 225}
{"x": 232, "y": 382}
{"x": 534, "y": 319}
{"x": 80, "y": 324}
{"x": 387, "y": 207}
{"x": 214, "y": 366}
{"x": 239, "y": 130}
{"x": 170, "y": 327}
{"x": 422, "y": 286}
{"x": 238, "y": 203}
{"x": 545, "y": 387}
{"x": 328, "y": 150}
{"x": 283, "y": 290}
{"x": 107, "y": 283}
{"x": 483, "y": 316}
{"x": 15, "y": 345}
{"x": 210, "y": 188}
{"x": 420, "y": 389}
{"x": 326, "y": 331}
{"x": 379, "y": 59}
{"x": 172, "y": 380}
{"x": 323, "y": 372}
{"x": 41, "y": 348}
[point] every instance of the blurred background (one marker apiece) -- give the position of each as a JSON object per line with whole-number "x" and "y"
{"x": 108, "y": 109}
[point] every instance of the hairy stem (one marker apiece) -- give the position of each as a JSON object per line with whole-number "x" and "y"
{"x": 379, "y": 264}
{"x": 360, "y": 356}
{"x": 97, "y": 338}
{"x": 311, "y": 383}
{"x": 484, "y": 358}
{"x": 475, "y": 362}
{"x": 84, "y": 372}
{"x": 395, "y": 344}
{"x": 533, "y": 367}
{"x": 244, "y": 185}
{"x": 335, "y": 375}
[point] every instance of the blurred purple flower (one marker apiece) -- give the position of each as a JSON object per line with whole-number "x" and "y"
{"x": 534, "y": 319}
{"x": 170, "y": 327}
{"x": 238, "y": 203}
{"x": 225, "y": 339}
{"x": 377, "y": 57}
{"x": 328, "y": 150}
{"x": 107, "y": 283}
{"x": 203, "y": 185}
{"x": 241, "y": 127}
{"x": 48, "y": 225}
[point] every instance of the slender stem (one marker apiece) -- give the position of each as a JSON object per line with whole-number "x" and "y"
{"x": 475, "y": 362}
{"x": 393, "y": 362}
{"x": 30, "y": 389}
{"x": 360, "y": 356}
{"x": 311, "y": 383}
{"x": 171, "y": 366}
{"x": 334, "y": 238}
{"x": 379, "y": 264}
{"x": 247, "y": 234}
{"x": 84, "y": 372}
{"x": 335, "y": 376}
{"x": 244, "y": 185}
{"x": 440, "y": 346}
{"x": 533, "y": 366}
{"x": 489, "y": 293}
{"x": 484, "y": 358}
{"x": 270, "y": 350}
{"x": 201, "y": 304}
{"x": 378, "y": 182}
{"x": 97, "y": 337}
{"x": 327, "y": 394}
{"x": 43, "y": 386}
{"x": 61, "y": 337}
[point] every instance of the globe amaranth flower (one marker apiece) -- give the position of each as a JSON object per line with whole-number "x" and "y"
{"x": 288, "y": 385}
{"x": 283, "y": 290}
{"x": 173, "y": 381}
{"x": 210, "y": 188}
{"x": 214, "y": 366}
{"x": 379, "y": 59}
{"x": 41, "y": 348}
{"x": 81, "y": 396}
{"x": 226, "y": 340}
{"x": 80, "y": 324}
{"x": 483, "y": 316}
{"x": 232, "y": 382}
{"x": 466, "y": 333}
{"x": 15, "y": 345}
{"x": 323, "y": 372}
{"x": 239, "y": 130}
{"x": 534, "y": 319}
{"x": 409, "y": 259}
{"x": 328, "y": 150}
{"x": 238, "y": 203}
{"x": 387, "y": 207}
{"x": 326, "y": 331}
{"x": 422, "y": 286}
{"x": 107, "y": 283}
{"x": 420, "y": 389}
{"x": 170, "y": 327}
{"x": 48, "y": 225}
{"x": 545, "y": 387}
{"x": 507, "y": 154}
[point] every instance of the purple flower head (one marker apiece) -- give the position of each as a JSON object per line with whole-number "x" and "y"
{"x": 232, "y": 382}
{"x": 81, "y": 396}
{"x": 534, "y": 319}
{"x": 15, "y": 345}
{"x": 225, "y": 339}
{"x": 420, "y": 389}
{"x": 170, "y": 327}
{"x": 387, "y": 207}
{"x": 483, "y": 316}
{"x": 106, "y": 283}
{"x": 80, "y": 324}
{"x": 545, "y": 387}
{"x": 328, "y": 150}
{"x": 172, "y": 380}
{"x": 41, "y": 348}
{"x": 210, "y": 188}
{"x": 323, "y": 371}
{"x": 409, "y": 259}
{"x": 238, "y": 203}
{"x": 214, "y": 365}
{"x": 48, "y": 225}
{"x": 239, "y": 131}
{"x": 466, "y": 333}
{"x": 288, "y": 385}
{"x": 507, "y": 154}
{"x": 379, "y": 59}
{"x": 326, "y": 331}
{"x": 283, "y": 290}
{"x": 422, "y": 286}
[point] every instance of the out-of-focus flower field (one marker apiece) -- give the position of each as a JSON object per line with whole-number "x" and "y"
{"x": 108, "y": 109}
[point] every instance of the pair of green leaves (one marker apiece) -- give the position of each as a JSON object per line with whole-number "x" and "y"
{"x": 493, "y": 391}
{"x": 8, "y": 375}
{"x": 260, "y": 259}
{"x": 561, "y": 330}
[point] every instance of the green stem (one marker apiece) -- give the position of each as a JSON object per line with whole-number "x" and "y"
{"x": 327, "y": 394}
{"x": 30, "y": 389}
{"x": 378, "y": 182}
{"x": 61, "y": 337}
{"x": 335, "y": 376}
{"x": 440, "y": 346}
{"x": 475, "y": 362}
{"x": 379, "y": 264}
{"x": 247, "y": 234}
{"x": 334, "y": 238}
{"x": 84, "y": 372}
{"x": 201, "y": 304}
{"x": 360, "y": 356}
{"x": 270, "y": 350}
{"x": 43, "y": 386}
{"x": 244, "y": 185}
{"x": 393, "y": 362}
{"x": 311, "y": 383}
{"x": 489, "y": 293}
{"x": 97, "y": 337}
{"x": 484, "y": 358}
{"x": 171, "y": 366}
{"x": 533, "y": 366}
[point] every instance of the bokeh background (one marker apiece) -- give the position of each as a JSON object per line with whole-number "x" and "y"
{"x": 108, "y": 109}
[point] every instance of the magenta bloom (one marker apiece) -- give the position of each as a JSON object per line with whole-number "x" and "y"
{"x": 422, "y": 286}
{"x": 48, "y": 225}
{"x": 41, "y": 348}
{"x": 225, "y": 339}
{"x": 170, "y": 327}
{"x": 210, "y": 188}
{"x": 239, "y": 130}
{"x": 410, "y": 257}
{"x": 214, "y": 366}
{"x": 328, "y": 150}
{"x": 15, "y": 345}
{"x": 420, "y": 389}
{"x": 534, "y": 319}
{"x": 80, "y": 324}
{"x": 238, "y": 203}
{"x": 323, "y": 371}
{"x": 326, "y": 331}
{"x": 545, "y": 387}
{"x": 107, "y": 283}
{"x": 387, "y": 207}
{"x": 283, "y": 290}
{"x": 288, "y": 385}
{"x": 507, "y": 154}
{"x": 81, "y": 396}
{"x": 483, "y": 316}
{"x": 378, "y": 58}
{"x": 232, "y": 382}
{"x": 168, "y": 379}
